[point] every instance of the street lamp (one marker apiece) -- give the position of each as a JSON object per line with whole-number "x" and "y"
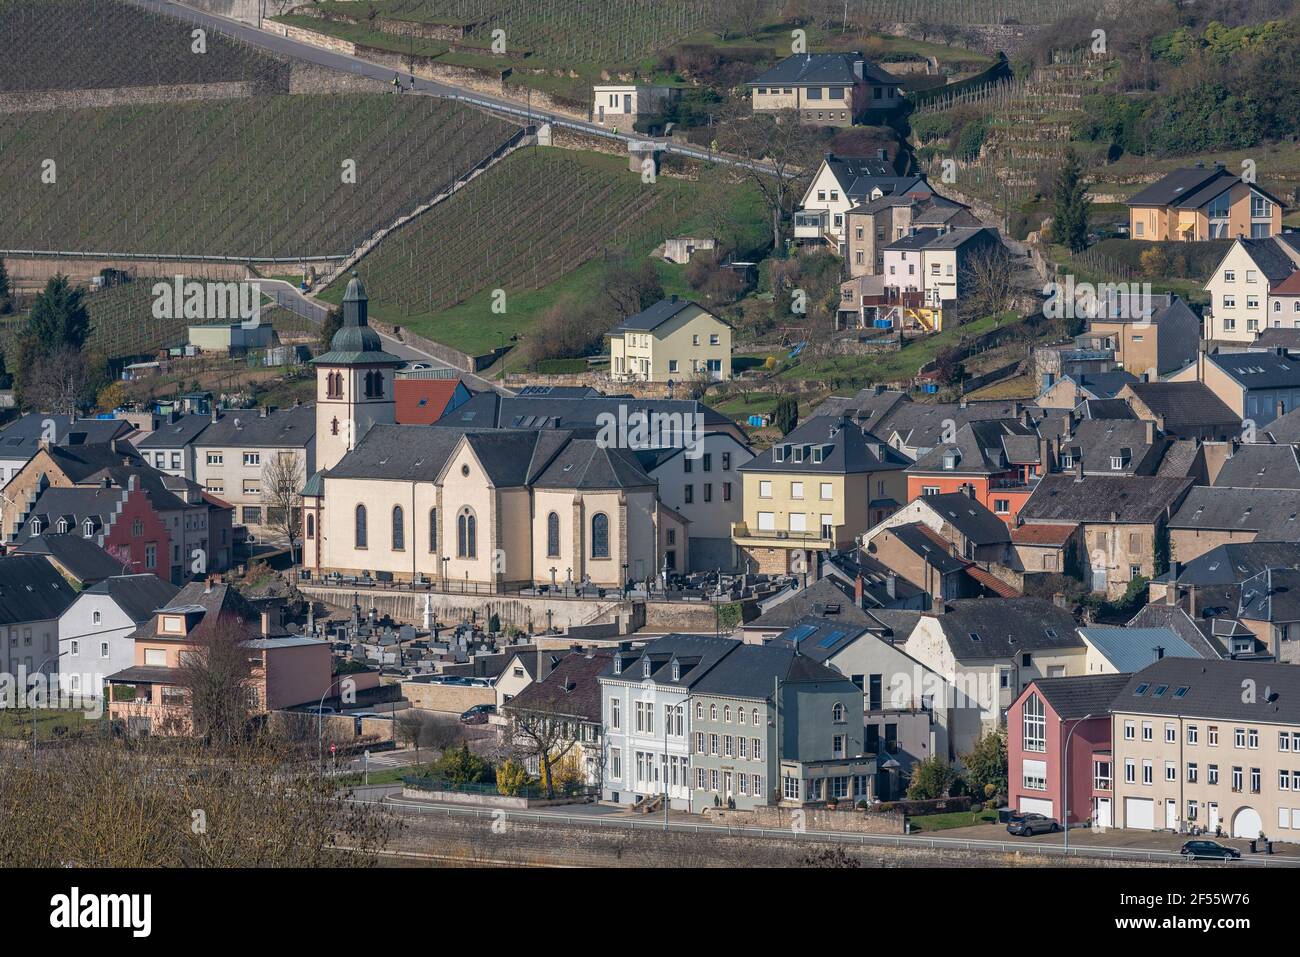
{"x": 445, "y": 560}
{"x": 47, "y": 660}
{"x": 1065, "y": 824}
{"x": 320, "y": 726}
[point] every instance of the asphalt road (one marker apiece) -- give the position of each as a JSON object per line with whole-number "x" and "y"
{"x": 338, "y": 61}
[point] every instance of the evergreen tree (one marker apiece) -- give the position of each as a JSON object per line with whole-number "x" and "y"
{"x": 58, "y": 318}
{"x": 332, "y": 324}
{"x": 6, "y": 294}
{"x": 1071, "y": 207}
{"x": 786, "y": 416}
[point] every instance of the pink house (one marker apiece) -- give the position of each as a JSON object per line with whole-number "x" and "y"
{"x": 1050, "y": 715}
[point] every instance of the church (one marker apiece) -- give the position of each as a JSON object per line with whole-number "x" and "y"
{"x": 486, "y": 509}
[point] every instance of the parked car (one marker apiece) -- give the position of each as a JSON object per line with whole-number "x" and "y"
{"x": 478, "y": 714}
{"x": 1210, "y": 850}
{"x": 320, "y": 709}
{"x": 1023, "y": 825}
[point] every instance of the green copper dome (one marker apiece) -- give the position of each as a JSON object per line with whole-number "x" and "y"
{"x": 356, "y": 343}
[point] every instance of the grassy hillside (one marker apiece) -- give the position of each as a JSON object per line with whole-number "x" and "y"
{"x": 536, "y": 227}
{"x": 89, "y": 44}
{"x": 257, "y": 178}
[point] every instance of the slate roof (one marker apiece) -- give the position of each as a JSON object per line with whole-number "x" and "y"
{"x": 80, "y": 462}
{"x": 177, "y": 434}
{"x": 819, "y": 638}
{"x": 751, "y": 671}
{"x": 1260, "y": 466}
{"x": 928, "y": 546}
{"x": 1271, "y": 258}
{"x": 1132, "y": 649}
{"x": 488, "y": 410}
{"x": 1191, "y": 186}
{"x": 828, "y": 597}
{"x": 1273, "y": 512}
{"x": 1272, "y": 595}
{"x": 139, "y": 596}
{"x": 1104, "y": 409}
{"x": 1128, "y": 499}
{"x": 1102, "y": 385}
{"x": 821, "y": 69}
{"x": 23, "y": 437}
{"x": 1080, "y": 695}
{"x": 584, "y": 464}
{"x": 969, "y": 517}
{"x": 1259, "y": 370}
{"x": 920, "y": 425}
{"x": 1285, "y": 428}
{"x": 697, "y": 654}
{"x": 570, "y": 689}
{"x": 1214, "y": 690}
{"x": 1185, "y": 407}
{"x": 1100, "y": 440}
{"x": 216, "y": 602}
{"x": 1006, "y": 627}
{"x": 981, "y": 448}
{"x": 1174, "y": 618}
{"x": 83, "y": 559}
{"x": 31, "y": 590}
{"x": 76, "y": 504}
{"x": 1233, "y": 562}
{"x": 867, "y": 407}
{"x": 849, "y": 450}
{"x": 648, "y": 320}
{"x": 1183, "y": 459}
{"x": 248, "y": 428}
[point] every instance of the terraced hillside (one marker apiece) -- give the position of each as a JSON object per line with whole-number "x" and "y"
{"x": 536, "y": 227}
{"x": 123, "y": 324}
{"x": 261, "y": 177}
{"x": 93, "y": 44}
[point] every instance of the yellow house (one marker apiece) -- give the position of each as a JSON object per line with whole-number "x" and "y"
{"x": 1199, "y": 203}
{"x": 822, "y": 485}
{"x": 675, "y": 339}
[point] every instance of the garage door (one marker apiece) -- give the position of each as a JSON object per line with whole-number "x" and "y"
{"x": 1246, "y": 823}
{"x": 1140, "y": 813}
{"x": 1035, "y": 806}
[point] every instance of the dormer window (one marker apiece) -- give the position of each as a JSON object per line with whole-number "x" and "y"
{"x": 798, "y": 454}
{"x": 88, "y": 529}
{"x": 677, "y": 671}
{"x": 618, "y": 665}
{"x": 1067, "y": 461}
{"x": 645, "y": 668}
{"x": 63, "y": 526}
{"x": 778, "y": 453}
{"x": 36, "y": 526}
{"x": 1116, "y": 462}
{"x": 950, "y": 460}
{"x": 817, "y": 454}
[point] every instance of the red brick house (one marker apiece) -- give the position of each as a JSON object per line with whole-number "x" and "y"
{"x": 1050, "y": 715}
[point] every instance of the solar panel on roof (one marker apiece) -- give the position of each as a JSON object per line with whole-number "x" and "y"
{"x": 800, "y": 632}
{"x": 830, "y": 640}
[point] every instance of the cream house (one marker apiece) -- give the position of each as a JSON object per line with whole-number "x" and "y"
{"x": 825, "y": 483}
{"x": 673, "y": 340}
{"x": 487, "y": 511}
{"x": 1242, "y": 284}
{"x": 826, "y": 89}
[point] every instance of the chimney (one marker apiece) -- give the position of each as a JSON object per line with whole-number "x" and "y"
{"x": 970, "y": 490}
{"x": 1169, "y": 299}
{"x": 1160, "y": 652}
{"x": 215, "y": 412}
{"x": 266, "y": 623}
{"x": 543, "y": 664}
{"x": 858, "y": 589}
{"x": 1279, "y": 409}
{"x": 891, "y": 585}
{"x": 1067, "y": 426}
{"x": 1078, "y": 465}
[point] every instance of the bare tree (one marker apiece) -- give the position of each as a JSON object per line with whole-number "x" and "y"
{"x": 216, "y": 679}
{"x": 413, "y": 728}
{"x": 282, "y": 482}
{"x": 58, "y": 382}
{"x": 544, "y": 736}
{"x": 782, "y": 151}
{"x": 988, "y": 279}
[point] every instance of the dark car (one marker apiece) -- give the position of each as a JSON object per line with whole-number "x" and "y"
{"x": 478, "y": 714}
{"x": 1210, "y": 850}
{"x": 1023, "y": 825}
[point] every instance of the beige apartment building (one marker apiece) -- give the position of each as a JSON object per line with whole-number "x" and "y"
{"x": 1201, "y": 203}
{"x": 825, "y": 483}
{"x": 674, "y": 340}
{"x": 1212, "y": 744}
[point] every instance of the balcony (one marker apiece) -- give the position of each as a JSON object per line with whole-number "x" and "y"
{"x": 743, "y": 535}
{"x": 812, "y": 224}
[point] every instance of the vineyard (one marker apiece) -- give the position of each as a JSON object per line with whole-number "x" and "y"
{"x": 261, "y": 178}
{"x": 123, "y": 324}
{"x": 1028, "y": 130}
{"x": 93, "y": 44}
{"x": 559, "y": 31}
{"x": 540, "y": 221}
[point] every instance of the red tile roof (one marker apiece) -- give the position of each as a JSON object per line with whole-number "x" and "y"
{"x": 992, "y": 582}
{"x": 422, "y": 401}
{"x": 1290, "y": 286}
{"x": 1042, "y": 534}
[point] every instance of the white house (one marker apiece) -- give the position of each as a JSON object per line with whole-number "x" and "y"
{"x": 620, "y": 104}
{"x": 95, "y": 631}
{"x": 646, "y": 716}
{"x": 840, "y": 184}
{"x": 1245, "y": 282}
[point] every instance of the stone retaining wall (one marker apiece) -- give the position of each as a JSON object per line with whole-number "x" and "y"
{"x": 40, "y": 100}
